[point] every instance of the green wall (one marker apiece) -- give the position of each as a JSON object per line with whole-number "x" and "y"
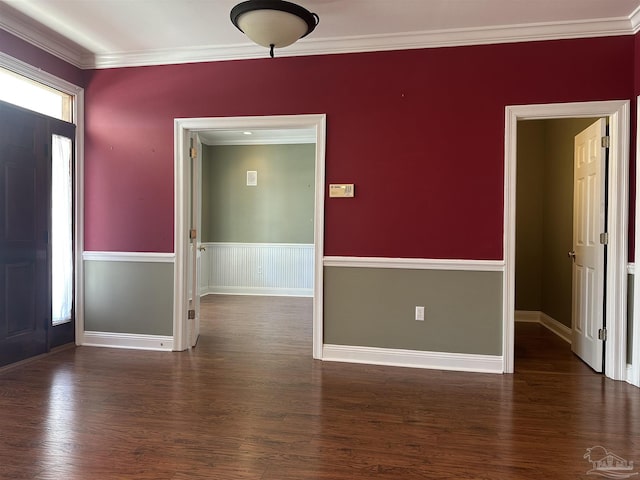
{"x": 529, "y": 214}
{"x": 375, "y": 307}
{"x": 544, "y": 218}
{"x": 128, "y": 297}
{"x": 280, "y": 209}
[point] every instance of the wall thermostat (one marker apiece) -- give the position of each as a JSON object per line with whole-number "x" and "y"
{"x": 341, "y": 190}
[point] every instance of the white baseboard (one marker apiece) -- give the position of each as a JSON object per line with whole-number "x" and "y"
{"x": 270, "y": 292}
{"x": 127, "y": 340}
{"x": 413, "y": 358}
{"x": 545, "y": 320}
{"x": 556, "y": 327}
{"x": 527, "y": 316}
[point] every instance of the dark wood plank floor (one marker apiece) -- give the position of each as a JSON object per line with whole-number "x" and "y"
{"x": 250, "y": 403}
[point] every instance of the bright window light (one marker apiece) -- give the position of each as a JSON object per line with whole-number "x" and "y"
{"x": 61, "y": 230}
{"x": 26, "y": 93}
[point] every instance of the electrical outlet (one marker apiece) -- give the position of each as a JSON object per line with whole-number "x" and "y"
{"x": 420, "y": 313}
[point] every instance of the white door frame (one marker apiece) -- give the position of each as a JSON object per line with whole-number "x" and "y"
{"x": 616, "y": 273}
{"x": 634, "y": 371}
{"x": 182, "y": 128}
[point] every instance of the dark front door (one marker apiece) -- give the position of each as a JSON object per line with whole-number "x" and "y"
{"x": 24, "y": 219}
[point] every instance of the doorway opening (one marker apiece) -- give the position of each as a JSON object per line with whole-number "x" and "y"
{"x": 615, "y": 272}
{"x": 186, "y": 241}
{"x": 550, "y": 216}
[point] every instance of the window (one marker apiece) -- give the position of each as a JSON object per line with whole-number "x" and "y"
{"x": 26, "y": 93}
{"x": 61, "y": 229}
{"x": 21, "y": 91}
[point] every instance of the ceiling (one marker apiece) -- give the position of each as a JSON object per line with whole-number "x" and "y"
{"x": 116, "y": 33}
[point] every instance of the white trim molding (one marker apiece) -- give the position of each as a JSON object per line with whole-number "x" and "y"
{"x": 634, "y": 18}
{"x": 633, "y": 373}
{"x": 416, "y": 263}
{"x": 616, "y": 275}
{"x": 128, "y": 340}
{"x": 461, "y": 362}
{"x": 553, "y": 325}
{"x": 128, "y": 257}
{"x": 372, "y": 43}
{"x": 527, "y": 316}
{"x": 25, "y": 28}
{"x": 260, "y": 291}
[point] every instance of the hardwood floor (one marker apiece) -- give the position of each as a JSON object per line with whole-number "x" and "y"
{"x": 250, "y": 403}
{"x": 537, "y": 349}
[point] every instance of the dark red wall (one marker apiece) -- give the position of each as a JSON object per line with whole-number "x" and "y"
{"x": 420, "y": 133}
{"x": 636, "y": 64}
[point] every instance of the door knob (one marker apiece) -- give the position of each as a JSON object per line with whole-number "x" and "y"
{"x": 572, "y": 255}
{"x": 202, "y": 249}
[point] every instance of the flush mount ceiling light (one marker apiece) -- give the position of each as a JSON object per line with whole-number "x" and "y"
{"x": 273, "y": 23}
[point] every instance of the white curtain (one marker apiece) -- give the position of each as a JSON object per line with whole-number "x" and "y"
{"x": 61, "y": 230}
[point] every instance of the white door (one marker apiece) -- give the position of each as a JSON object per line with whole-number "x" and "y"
{"x": 193, "y": 321}
{"x": 588, "y": 253}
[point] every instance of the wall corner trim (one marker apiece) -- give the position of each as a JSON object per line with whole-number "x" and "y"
{"x": 462, "y": 362}
{"x": 128, "y": 340}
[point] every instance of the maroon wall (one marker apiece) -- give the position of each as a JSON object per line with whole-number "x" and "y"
{"x": 27, "y": 53}
{"x": 636, "y": 64}
{"x": 420, "y": 133}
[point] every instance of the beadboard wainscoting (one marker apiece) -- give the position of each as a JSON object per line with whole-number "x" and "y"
{"x": 257, "y": 269}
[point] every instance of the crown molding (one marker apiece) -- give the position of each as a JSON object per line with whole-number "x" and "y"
{"x": 634, "y": 18}
{"x": 373, "y": 43}
{"x": 21, "y": 26}
{"x": 72, "y": 53}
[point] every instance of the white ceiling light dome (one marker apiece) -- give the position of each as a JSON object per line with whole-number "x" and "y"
{"x": 273, "y": 23}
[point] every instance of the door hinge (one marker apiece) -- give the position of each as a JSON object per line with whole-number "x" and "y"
{"x": 602, "y": 334}
{"x": 191, "y": 315}
{"x": 604, "y": 238}
{"x": 193, "y": 153}
{"x": 606, "y": 142}
{"x": 193, "y": 234}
